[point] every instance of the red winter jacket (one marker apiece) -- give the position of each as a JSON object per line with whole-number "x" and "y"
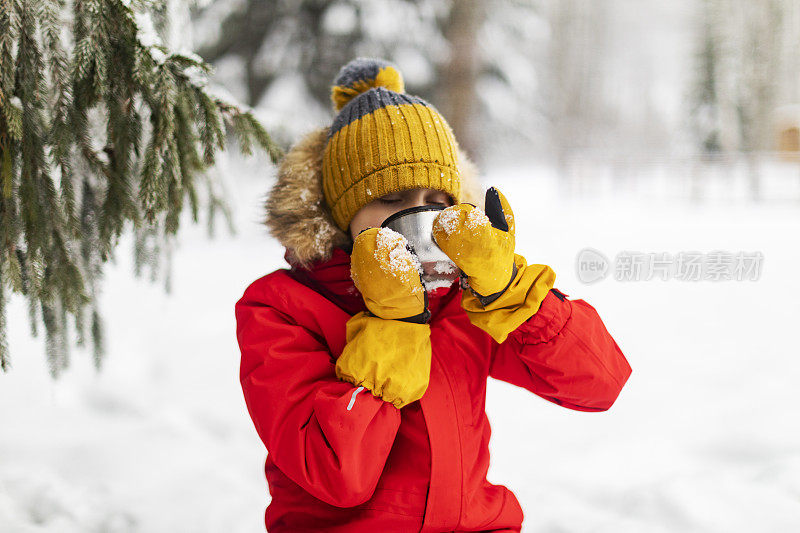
{"x": 344, "y": 461}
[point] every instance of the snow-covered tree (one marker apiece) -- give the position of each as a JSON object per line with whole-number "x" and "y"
{"x": 750, "y": 52}
{"x": 284, "y": 55}
{"x": 101, "y": 126}
{"x": 747, "y": 66}
{"x": 477, "y": 61}
{"x": 509, "y": 117}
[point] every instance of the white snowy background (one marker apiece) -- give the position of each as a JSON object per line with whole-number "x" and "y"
{"x": 705, "y": 436}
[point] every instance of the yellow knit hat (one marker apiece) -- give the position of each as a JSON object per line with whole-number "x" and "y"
{"x": 383, "y": 141}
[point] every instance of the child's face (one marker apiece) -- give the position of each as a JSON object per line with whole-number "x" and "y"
{"x": 375, "y": 212}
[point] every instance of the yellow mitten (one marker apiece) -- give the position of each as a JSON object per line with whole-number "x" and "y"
{"x": 484, "y": 252}
{"x": 388, "y": 349}
{"x": 386, "y": 272}
{"x": 504, "y": 290}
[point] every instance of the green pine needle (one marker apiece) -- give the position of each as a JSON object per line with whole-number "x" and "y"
{"x": 99, "y": 131}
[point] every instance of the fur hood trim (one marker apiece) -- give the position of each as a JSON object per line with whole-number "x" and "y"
{"x": 295, "y": 209}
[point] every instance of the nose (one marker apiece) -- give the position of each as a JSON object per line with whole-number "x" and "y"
{"x": 416, "y": 200}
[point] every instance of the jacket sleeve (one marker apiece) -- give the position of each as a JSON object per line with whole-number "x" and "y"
{"x": 564, "y": 354}
{"x": 328, "y": 436}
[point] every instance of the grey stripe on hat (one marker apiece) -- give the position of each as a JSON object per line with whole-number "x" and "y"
{"x": 366, "y": 103}
{"x": 361, "y": 69}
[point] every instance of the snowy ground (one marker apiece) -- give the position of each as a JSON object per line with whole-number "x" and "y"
{"x": 704, "y": 437}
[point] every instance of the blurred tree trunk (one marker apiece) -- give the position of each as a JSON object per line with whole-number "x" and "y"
{"x": 705, "y": 95}
{"x": 761, "y": 28}
{"x": 576, "y": 99}
{"x": 457, "y": 96}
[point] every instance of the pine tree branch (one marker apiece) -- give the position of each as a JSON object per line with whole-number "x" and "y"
{"x": 100, "y": 127}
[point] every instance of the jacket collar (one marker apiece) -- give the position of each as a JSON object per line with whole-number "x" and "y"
{"x": 331, "y": 278}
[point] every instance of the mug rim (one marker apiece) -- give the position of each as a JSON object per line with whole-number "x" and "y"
{"x": 411, "y": 210}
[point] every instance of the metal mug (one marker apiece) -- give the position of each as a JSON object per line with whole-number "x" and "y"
{"x": 416, "y": 225}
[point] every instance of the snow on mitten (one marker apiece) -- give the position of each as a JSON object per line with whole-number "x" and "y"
{"x": 386, "y": 272}
{"x": 482, "y": 248}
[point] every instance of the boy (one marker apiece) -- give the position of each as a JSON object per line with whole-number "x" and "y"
{"x": 368, "y": 391}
